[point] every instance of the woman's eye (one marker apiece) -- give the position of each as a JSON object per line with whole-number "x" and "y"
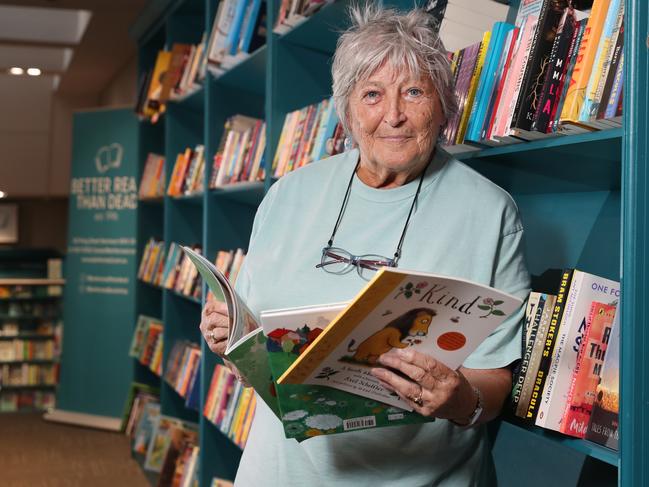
{"x": 371, "y": 96}
{"x": 414, "y": 92}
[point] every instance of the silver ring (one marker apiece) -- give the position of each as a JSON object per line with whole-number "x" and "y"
{"x": 213, "y": 337}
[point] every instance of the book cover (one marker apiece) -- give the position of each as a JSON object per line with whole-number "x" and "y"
{"x": 604, "y": 419}
{"x": 612, "y": 74}
{"x": 584, "y": 289}
{"x": 145, "y": 427}
{"x": 465, "y": 72}
{"x": 444, "y": 317}
{"x": 592, "y": 352}
{"x": 313, "y": 410}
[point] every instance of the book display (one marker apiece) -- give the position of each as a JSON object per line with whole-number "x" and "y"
{"x": 30, "y": 329}
{"x": 566, "y": 172}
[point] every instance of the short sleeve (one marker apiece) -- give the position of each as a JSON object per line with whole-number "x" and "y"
{"x": 503, "y": 345}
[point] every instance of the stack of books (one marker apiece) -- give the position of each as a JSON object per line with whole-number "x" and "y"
{"x": 147, "y": 343}
{"x": 187, "y": 175}
{"x": 150, "y": 269}
{"x": 18, "y": 350}
{"x": 304, "y": 136}
{"x": 182, "y": 372}
{"x": 11, "y": 401}
{"x": 240, "y": 155}
{"x": 176, "y": 74}
{"x": 152, "y": 184}
{"x": 230, "y": 406}
{"x": 293, "y": 12}
{"x": 19, "y": 375}
{"x": 557, "y": 70}
{"x": 239, "y": 29}
{"x": 568, "y": 336}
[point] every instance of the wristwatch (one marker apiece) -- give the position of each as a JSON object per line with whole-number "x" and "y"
{"x": 477, "y": 412}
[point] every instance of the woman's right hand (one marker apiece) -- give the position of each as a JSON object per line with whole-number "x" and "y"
{"x": 214, "y": 325}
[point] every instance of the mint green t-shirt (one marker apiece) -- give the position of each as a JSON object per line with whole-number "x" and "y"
{"x": 463, "y": 225}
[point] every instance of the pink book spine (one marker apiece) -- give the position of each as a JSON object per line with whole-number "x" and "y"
{"x": 514, "y": 77}
{"x": 590, "y": 358}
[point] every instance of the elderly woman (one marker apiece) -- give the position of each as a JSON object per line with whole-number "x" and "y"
{"x": 396, "y": 195}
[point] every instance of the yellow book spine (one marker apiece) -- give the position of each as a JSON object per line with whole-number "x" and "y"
{"x": 584, "y": 64}
{"x": 473, "y": 87}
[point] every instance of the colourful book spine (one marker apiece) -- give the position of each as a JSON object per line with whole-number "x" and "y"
{"x": 487, "y": 80}
{"x": 584, "y": 64}
{"x": 616, "y": 93}
{"x": 613, "y": 74}
{"x": 602, "y": 60}
{"x": 588, "y": 370}
{"x": 464, "y": 120}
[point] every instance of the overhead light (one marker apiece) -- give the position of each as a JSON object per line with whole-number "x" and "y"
{"x": 16, "y": 71}
{"x": 33, "y": 71}
{"x": 2, "y": 194}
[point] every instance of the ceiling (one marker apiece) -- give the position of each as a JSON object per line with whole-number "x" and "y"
{"x": 82, "y": 48}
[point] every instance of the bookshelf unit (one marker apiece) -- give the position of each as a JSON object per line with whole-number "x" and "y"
{"x": 30, "y": 321}
{"x": 581, "y": 197}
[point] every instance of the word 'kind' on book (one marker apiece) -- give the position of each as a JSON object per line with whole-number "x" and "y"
{"x": 444, "y": 317}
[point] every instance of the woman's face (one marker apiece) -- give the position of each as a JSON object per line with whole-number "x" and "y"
{"x": 395, "y": 118}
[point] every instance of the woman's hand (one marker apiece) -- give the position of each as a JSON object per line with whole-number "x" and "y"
{"x": 429, "y": 386}
{"x": 214, "y": 325}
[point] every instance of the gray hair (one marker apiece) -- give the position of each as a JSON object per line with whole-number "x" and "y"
{"x": 406, "y": 41}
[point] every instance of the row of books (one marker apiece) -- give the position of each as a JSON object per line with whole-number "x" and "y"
{"x": 229, "y": 405}
{"x": 168, "y": 445}
{"x": 175, "y": 75}
{"x": 28, "y": 374}
{"x": 16, "y": 350}
{"x": 42, "y": 328}
{"x": 152, "y": 183}
{"x": 18, "y": 291}
{"x": 556, "y": 70}
{"x": 240, "y": 155}
{"x": 293, "y": 12}
{"x": 17, "y": 309}
{"x": 568, "y": 332}
{"x": 229, "y": 263}
{"x": 304, "y": 136}
{"x": 183, "y": 371}
{"x": 238, "y": 29}
{"x": 13, "y": 401}
{"x": 147, "y": 343}
{"x": 188, "y": 171}
{"x": 173, "y": 271}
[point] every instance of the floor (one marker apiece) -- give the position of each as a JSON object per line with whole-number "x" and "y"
{"x": 37, "y": 453}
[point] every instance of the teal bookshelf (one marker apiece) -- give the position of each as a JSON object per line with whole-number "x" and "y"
{"x": 581, "y": 197}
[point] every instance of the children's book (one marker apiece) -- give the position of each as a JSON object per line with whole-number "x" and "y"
{"x": 441, "y": 316}
{"x": 145, "y": 427}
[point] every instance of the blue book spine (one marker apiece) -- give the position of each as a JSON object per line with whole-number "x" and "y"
{"x": 327, "y": 133}
{"x": 193, "y": 397}
{"x": 235, "y": 28}
{"x": 603, "y": 46}
{"x": 616, "y": 92}
{"x": 249, "y": 26}
{"x": 487, "y": 80}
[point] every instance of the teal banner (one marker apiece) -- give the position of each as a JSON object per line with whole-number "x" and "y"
{"x": 100, "y": 272}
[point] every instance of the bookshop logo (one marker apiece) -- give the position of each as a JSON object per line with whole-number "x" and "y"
{"x": 109, "y": 157}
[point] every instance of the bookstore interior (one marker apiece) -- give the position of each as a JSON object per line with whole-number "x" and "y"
{"x": 148, "y": 146}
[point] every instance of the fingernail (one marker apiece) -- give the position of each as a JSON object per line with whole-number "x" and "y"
{"x": 377, "y": 372}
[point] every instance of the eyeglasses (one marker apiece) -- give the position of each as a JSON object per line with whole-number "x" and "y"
{"x": 338, "y": 261}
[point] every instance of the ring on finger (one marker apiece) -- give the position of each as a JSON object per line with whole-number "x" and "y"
{"x": 213, "y": 337}
{"x": 418, "y": 399}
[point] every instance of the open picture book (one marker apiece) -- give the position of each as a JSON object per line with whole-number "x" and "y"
{"x": 311, "y": 364}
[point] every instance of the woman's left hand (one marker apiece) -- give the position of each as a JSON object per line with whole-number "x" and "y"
{"x": 429, "y": 386}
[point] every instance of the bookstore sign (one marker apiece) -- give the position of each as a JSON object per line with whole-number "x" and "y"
{"x": 99, "y": 308}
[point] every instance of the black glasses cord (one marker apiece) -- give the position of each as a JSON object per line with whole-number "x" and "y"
{"x": 397, "y": 253}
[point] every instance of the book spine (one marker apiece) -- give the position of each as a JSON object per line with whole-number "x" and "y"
{"x": 584, "y": 63}
{"x": 616, "y": 92}
{"x": 565, "y": 78}
{"x": 482, "y": 52}
{"x": 548, "y": 347}
{"x": 612, "y": 74}
{"x": 535, "y": 357}
{"x": 602, "y": 60}
{"x": 537, "y": 64}
{"x": 558, "y": 60}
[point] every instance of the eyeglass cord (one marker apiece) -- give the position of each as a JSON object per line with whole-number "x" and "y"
{"x": 397, "y": 253}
